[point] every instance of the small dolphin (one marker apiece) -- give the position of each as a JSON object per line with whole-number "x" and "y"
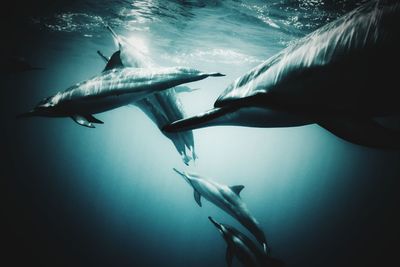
{"x": 161, "y": 107}
{"x": 228, "y": 199}
{"x": 243, "y": 248}
{"x": 339, "y": 77}
{"x": 112, "y": 89}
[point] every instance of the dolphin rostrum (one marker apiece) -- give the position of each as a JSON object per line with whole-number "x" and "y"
{"x": 112, "y": 89}
{"x": 243, "y": 248}
{"x": 228, "y": 199}
{"x": 338, "y": 76}
{"x": 161, "y": 107}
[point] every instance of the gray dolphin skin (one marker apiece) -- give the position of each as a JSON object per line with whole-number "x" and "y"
{"x": 161, "y": 107}
{"x": 112, "y": 89}
{"x": 243, "y": 248}
{"x": 228, "y": 199}
{"x": 338, "y": 77}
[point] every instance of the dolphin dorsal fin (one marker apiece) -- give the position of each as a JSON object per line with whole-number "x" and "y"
{"x": 82, "y": 120}
{"x": 197, "y": 197}
{"x": 237, "y": 189}
{"x": 114, "y": 62}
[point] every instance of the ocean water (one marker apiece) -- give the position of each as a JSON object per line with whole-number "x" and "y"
{"x": 108, "y": 196}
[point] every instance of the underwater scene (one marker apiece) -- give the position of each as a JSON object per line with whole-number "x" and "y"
{"x": 201, "y": 133}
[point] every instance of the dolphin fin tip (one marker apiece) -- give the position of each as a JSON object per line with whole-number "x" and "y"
{"x": 216, "y": 74}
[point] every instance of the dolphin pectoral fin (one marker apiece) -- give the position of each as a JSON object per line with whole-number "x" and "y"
{"x": 81, "y": 120}
{"x": 90, "y": 118}
{"x": 197, "y": 197}
{"x": 362, "y": 131}
{"x": 205, "y": 119}
{"x": 237, "y": 189}
{"x": 184, "y": 89}
{"x": 106, "y": 59}
{"x": 229, "y": 256}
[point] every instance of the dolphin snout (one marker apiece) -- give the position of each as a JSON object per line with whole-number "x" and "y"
{"x": 215, "y": 223}
{"x": 184, "y": 175}
{"x": 179, "y": 172}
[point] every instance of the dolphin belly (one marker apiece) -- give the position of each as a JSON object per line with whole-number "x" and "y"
{"x": 249, "y": 116}
{"x": 99, "y": 104}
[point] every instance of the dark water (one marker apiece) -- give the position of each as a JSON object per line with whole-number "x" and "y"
{"x": 108, "y": 196}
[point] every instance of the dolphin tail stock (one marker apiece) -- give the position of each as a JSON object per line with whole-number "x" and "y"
{"x": 212, "y": 117}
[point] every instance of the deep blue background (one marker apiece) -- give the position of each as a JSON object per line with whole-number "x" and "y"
{"x": 108, "y": 196}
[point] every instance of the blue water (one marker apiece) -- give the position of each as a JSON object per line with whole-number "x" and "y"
{"x": 108, "y": 196}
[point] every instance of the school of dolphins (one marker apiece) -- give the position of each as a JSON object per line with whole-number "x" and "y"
{"x": 337, "y": 77}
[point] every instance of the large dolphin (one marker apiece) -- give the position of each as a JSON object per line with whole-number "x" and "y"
{"x": 228, "y": 199}
{"x": 112, "y": 89}
{"x": 161, "y": 107}
{"x": 243, "y": 248}
{"x": 340, "y": 77}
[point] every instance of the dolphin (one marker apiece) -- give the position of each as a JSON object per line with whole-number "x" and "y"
{"x": 228, "y": 199}
{"x": 338, "y": 77}
{"x": 112, "y": 89}
{"x": 161, "y": 107}
{"x": 243, "y": 248}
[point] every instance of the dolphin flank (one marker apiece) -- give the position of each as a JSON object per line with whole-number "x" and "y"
{"x": 112, "y": 89}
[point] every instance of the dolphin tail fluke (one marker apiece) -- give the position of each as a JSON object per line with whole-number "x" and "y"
{"x": 363, "y": 131}
{"x": 208, "y": 118}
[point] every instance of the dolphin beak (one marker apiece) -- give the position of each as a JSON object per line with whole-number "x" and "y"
{"x": 183, "y": 175}
{"x": 179, "y": 172}
{"x": 27, "y": 114}
{"x": 216, "y": 224}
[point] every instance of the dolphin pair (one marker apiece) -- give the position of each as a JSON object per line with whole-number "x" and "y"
{"x": 339, "y": 77}
{"x": 243, "y": 248}
{"x": 228, "y": 199}
{"x": 112, "y": 89}
{"x": 118, "y": 86}
{"x": 162, "y": 107}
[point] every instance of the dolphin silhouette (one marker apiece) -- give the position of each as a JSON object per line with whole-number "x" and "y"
{"x": 161, "y": 107}
{"x": 112, "y": 89}
{"x": 243, "y": 248}
{"x": 228, "y": 199}
{"x": 338, "y": 77}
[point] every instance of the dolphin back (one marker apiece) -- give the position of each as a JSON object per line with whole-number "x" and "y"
{"x": 345, "y": 59}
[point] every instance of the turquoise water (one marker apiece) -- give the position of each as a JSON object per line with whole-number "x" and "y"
{"x": 108, "y": 196}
